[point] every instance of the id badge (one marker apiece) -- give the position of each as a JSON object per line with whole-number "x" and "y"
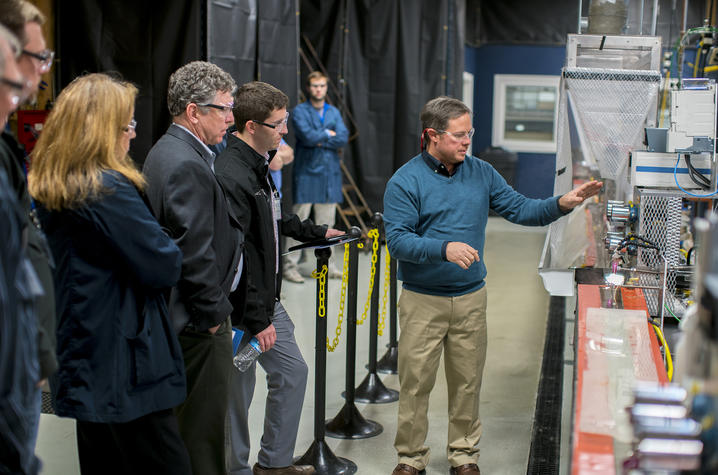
{"x": 276, "y": 207}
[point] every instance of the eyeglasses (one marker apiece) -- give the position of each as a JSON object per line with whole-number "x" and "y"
{"x": 17, "y": 88}
{"x": 45, "y": 57}
{"x": 458, "y": 135}
{"x": 131, "y": 126}
{"x": 277, "y": 125}
{"x": 226, "y": 109}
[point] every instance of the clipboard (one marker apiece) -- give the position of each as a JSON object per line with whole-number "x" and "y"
{"x": 353, "y": 235}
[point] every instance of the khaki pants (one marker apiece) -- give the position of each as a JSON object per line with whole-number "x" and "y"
{"x": 430, "y": 324}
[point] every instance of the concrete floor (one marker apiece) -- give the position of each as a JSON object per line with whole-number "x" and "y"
{"x": 517, "y": 311}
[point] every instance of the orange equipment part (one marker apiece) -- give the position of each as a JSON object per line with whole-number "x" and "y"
{"x": 593, "y": 453}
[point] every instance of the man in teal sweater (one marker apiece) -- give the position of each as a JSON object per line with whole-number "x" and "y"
{"x": 435, "y": 211}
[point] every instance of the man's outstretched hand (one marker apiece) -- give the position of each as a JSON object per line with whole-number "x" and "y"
{"x": 578, "y": 195}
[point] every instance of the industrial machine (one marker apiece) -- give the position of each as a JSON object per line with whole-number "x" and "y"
{"x": 649, "y": 234}
{"x": 657, "y": 179}
{"x": 639, "y": 238}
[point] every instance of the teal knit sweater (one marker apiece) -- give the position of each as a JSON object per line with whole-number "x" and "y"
{"x": 423, "y": 209}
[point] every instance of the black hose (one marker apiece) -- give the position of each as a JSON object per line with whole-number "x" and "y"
{"x": 693, "y": 169}
{"x": 635, "y": 237}
{"x": 697, "y": 177}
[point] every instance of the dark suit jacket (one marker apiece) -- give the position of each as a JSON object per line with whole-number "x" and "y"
{"x": 189, "y": 203}
{"x": 11, "y": 161}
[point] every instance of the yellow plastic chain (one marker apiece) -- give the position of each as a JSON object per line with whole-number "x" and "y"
{"x": 342, "y": 299}
{"x": 374, "y": 234}
{"x": 322, "y": 276}
{"x": 387, "y": 278}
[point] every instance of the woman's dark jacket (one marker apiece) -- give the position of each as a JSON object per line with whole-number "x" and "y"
{"x": 118, "y": 356}
{"x": 243, "y": 174}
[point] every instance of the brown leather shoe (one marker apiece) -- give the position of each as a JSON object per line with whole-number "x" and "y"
{"x": 466, "y": 469}
{"x": 291, "y": 470}
{"x": 404, "y": 469}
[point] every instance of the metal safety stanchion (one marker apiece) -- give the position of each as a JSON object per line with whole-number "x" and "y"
{"x": 349, "y": 423}
{"x": 319, "y": 454}
{"x": 389, "y": 363}
{"x": 372, "y": 390}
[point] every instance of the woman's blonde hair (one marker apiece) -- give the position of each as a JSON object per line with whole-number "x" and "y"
{"x": 80, "y": 140}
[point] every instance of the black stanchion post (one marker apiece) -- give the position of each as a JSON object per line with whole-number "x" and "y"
{"x": 389, "y": 363}
{"x": 319, "y": 454}
{"x": 372, "y": 390}
{"x": 349, "y": 423}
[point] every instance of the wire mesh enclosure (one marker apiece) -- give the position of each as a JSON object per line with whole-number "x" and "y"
{"x": 612, "y": 107}
{"x": 660, "y": 222}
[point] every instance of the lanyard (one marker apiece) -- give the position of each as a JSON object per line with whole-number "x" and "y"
{"x": 323, "y": 113}
{"x": 275, "y": 204}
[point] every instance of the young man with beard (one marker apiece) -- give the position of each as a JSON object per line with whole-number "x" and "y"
{"x": 317, "y": 173}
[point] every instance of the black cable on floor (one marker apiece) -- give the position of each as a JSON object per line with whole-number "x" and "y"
{"x": 546, "y": 437}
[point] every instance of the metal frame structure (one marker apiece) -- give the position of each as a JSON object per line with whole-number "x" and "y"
{"x": 635, "y": 52}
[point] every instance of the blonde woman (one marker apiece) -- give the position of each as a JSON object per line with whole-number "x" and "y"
{"x": 120, "y": 366}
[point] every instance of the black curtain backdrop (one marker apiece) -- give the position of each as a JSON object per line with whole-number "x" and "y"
{"x": 256, "y": 40}
{"x": 323, "y": 23}
{"x": 143, "y": 41}
{"x": 519, "y": 21}
{"x": 277, "y": 58}
{"x": 232, "y": 38}
{"x": 387, "y": 57}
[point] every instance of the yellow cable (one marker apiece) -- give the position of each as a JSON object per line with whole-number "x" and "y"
{"x": 699, "y": 52}
{"x": 669, "y": 359}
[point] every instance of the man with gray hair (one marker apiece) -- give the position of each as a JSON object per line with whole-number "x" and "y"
{"x": 188, "y": 201}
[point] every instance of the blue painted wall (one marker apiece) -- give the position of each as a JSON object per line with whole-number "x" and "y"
{"x": 534, "y": 171}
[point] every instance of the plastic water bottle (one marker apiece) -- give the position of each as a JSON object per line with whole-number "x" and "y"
{"x": 244, "y": 357}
